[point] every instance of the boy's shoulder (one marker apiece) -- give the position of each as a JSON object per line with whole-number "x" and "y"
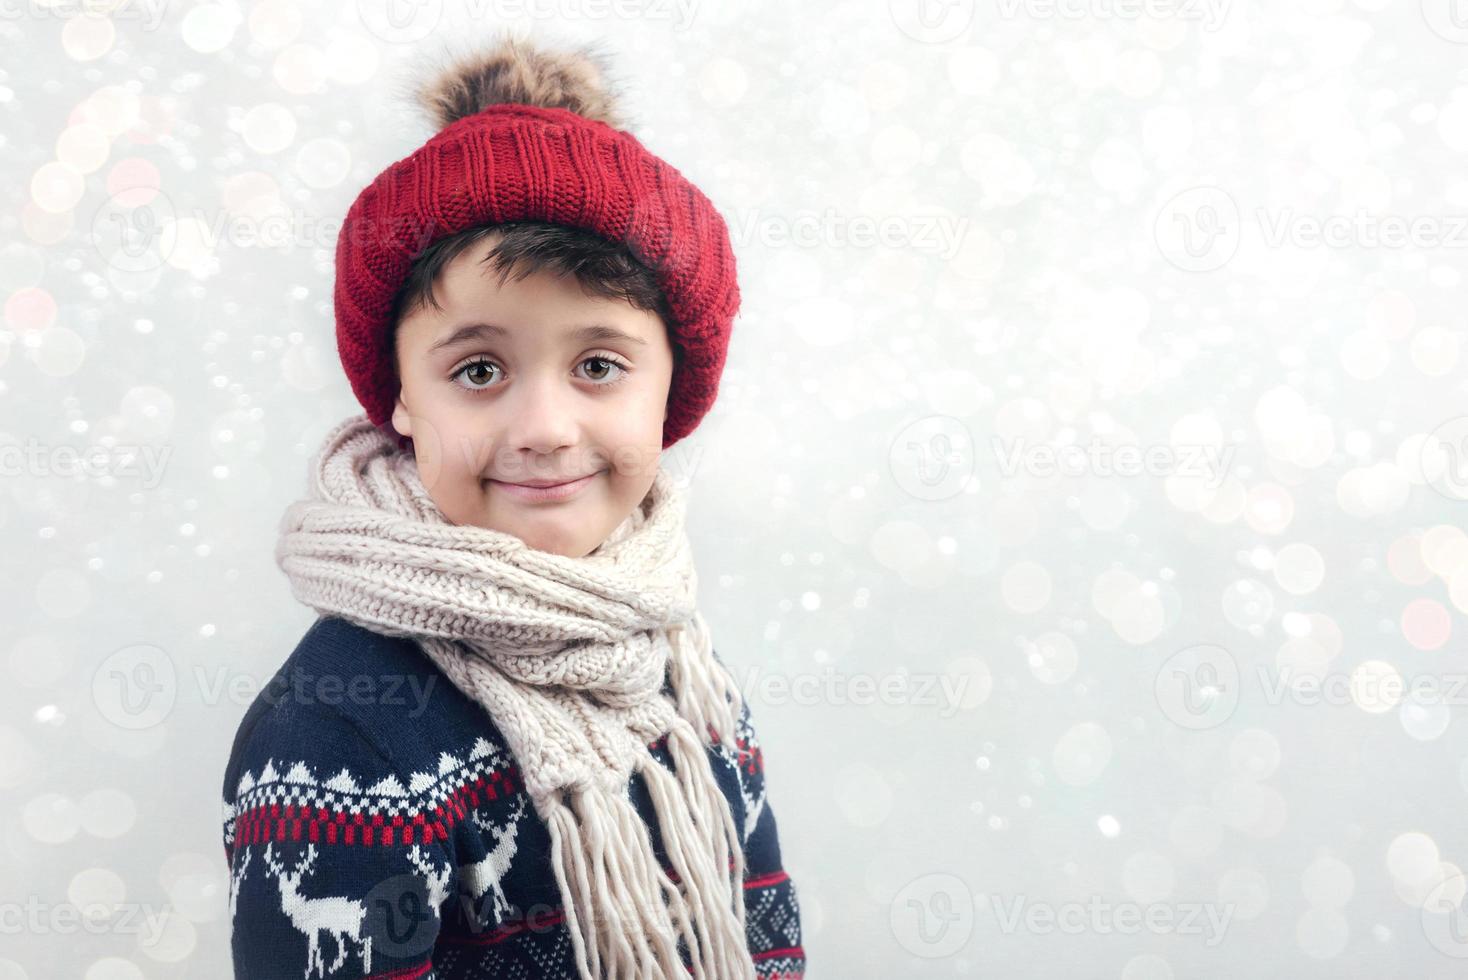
{"x": 384, "y": 687}
{"x": 357, "y": 718}
{"x": 382, "y": 684}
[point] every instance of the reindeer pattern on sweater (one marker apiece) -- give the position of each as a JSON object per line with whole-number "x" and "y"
{"x": 388, "y": 835}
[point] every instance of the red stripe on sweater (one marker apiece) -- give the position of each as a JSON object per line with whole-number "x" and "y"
{"x": 794, "y": 952}
{"x": 316, "y": 824}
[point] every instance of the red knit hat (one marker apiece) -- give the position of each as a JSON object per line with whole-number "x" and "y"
{"x": 500, "y": 159}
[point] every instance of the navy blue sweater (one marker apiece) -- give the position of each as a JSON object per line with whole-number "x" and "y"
{"x": 375, "y": 825}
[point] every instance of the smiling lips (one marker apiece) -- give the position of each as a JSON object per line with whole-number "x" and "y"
{"x": 544, "y": 491}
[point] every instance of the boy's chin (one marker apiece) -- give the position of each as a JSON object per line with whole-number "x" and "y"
{"x": 567, "y": 546}
{"x": 558, "y": 535}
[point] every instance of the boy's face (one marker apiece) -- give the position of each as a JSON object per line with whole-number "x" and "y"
{"x": 532, "y": 401}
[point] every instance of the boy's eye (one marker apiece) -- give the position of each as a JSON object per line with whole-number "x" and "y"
{"x": 481, "y": 374}
{"x": 606, "y": 364}
{"x": 477, "y": 373}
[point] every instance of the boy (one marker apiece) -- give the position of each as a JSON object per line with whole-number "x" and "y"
{"x": 507, "y": 747}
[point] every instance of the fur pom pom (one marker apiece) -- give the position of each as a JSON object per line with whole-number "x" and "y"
{"x": 515, "y": 70}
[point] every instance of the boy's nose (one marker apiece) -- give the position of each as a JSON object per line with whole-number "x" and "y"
{"x": 545, "y": 417}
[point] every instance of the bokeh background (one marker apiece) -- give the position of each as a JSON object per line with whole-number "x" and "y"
{"x": 1081, "y": 511}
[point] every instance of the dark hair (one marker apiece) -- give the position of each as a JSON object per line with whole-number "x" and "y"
{"x": 602, "y": 267}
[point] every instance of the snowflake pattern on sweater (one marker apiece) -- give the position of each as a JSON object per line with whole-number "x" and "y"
{"x": 375, "y": 826}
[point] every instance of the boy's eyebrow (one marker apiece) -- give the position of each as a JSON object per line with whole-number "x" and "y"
{"x": 590, "y": 332}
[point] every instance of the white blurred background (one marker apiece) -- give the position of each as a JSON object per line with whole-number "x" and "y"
{"x": 1081, "y": 510}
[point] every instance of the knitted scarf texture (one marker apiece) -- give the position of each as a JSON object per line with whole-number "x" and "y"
{"x": 569, "y": 657}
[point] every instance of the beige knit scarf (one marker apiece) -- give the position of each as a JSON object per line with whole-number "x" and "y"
{"x": 569, "y": 657}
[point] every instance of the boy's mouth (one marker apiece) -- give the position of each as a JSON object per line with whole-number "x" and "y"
{"x": 545, "y": 483}
{"x": 544, "y": 491}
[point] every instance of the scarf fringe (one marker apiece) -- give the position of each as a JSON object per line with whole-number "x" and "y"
{"x": 595, "y": 865}
{"x": 718, "y": 842}
{"x": 602, "y": 856}
{"x": 704, "y": 692}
